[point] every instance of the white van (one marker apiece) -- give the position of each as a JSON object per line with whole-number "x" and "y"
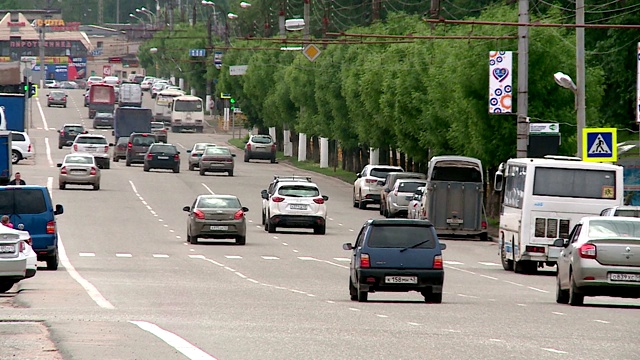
{"x": 161, "y": 109}
{"x": 187, "y": 113}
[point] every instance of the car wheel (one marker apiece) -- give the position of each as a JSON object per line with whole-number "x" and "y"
{"x": 484, "y": 236}
{"x": 353, "y": 292}
{"x": 6, "y": 285}
{"x": 562, "y": 296}
{"x": 361, "y": 204}
{"x": 433, "y": 298}
{"x": 116, "y": 159}
{"x": 62, "y": 186}
{"x": 506, "y": 263}
{"x": 96, "y": 186}
{"x": 263, "y": 217}
{"x": 230, "y": 173}
{"x": 59, "y": 146}
{"x": 363, "y": 296}
{"x": 272, "y": 227}
{"x": 145, "y": 168}
{"x": 128, "y": 162}
{"x": 176, "y": 169}
{"x": 355, "y": 203}
{"x": 15, "y": 156}
{"x": 320, "y": 229}
{"x": 107, "y": 165}
{"x": 192, "y": 167}
{"x": 273, "y": 160}
{"x": 202, "y": 172}
{"x": 241, "y": 240}
{"x": 246, "y": 157}
{"x": 575, "y": 298}
{"x": 193, "y": 240}
{"x": 52, "y": 261}
{"x": 381, "y": 208}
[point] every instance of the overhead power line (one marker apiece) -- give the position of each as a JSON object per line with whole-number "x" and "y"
{"x": 426, "y": 37}
{"x": 533, "y": 24}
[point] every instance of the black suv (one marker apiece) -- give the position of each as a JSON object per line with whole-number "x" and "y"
{"x": 138, "y": 146}
{"x": 68, "y": 133}
{"x": 396, "y": 255}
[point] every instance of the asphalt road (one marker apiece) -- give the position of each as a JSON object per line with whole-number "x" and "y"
{"x": 131, "y": 288}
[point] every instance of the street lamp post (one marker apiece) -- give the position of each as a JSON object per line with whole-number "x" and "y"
{"x": 155, "y": 62}
{"x": 149, "y": 13}
{"x": 144, "y": 26}
{"x": 566, "y": 82}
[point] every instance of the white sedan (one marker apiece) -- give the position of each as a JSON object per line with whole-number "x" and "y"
{"x": 17, "y": 258}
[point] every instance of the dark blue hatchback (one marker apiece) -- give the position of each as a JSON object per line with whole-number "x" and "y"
{"x": 396, "y": 255}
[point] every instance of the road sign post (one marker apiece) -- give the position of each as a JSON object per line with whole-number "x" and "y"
{"x": 599, "y": 145}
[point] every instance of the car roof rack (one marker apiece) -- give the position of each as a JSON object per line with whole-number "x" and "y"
{"x": 291, "y": 178}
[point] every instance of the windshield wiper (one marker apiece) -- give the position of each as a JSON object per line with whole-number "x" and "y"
{"x": 415, "y": 245}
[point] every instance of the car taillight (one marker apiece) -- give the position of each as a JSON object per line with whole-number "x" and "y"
{"x": 588, "y": 251}
{"x": 277, "y": 199}
{"x": 194, "y": 154}
{"x": 63, "y": 170}
{"x": 50, "y": 97}
{"x": 144, "y": 135}
{"x": 238, "y": 215}
{"x": 229, "y": 160}
{"x": 364, "y": 261}
{"x": 484, "y": 225}
{"x": 318, "y": 201}
{"x": 198, "y": 214}
{"x": 29, "y": 241}
{"x": 93, "y": 171}
{"x": 106, "y": 148}
{"x": 176, "y": 157}
{"x": 273, "y": 147}
{"x": 75, "y": 147}
{"x": 23, "y": 247}
{"x": 249, "y": 147}
{"x": 371, "y": 181}
{"x": 149, "y": 156}
{"x": 129, "y": 145}
{"x": 62, "y": 133}
{"x": 437, "y": 262}
{"x": 29, "y": 148}
{"x": 51, "y": 227}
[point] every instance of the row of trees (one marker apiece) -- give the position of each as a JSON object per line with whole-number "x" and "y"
{"x": 421, "y": 98}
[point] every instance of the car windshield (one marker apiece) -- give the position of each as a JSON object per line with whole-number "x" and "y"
{"x": 143, "y": 141}
{"x": 410, "y": 187}
{"x": 218, "y": 203}
{"x": 188, "y": 105}
{"x": 201, "y": 147}
{"x": 74, "y": 159}
{"x": 104, "y": 115}
{"x": 167, "y": 149}
{"x": 614, "y": 229}
{"x": 95, "y": 78}
{"x": 93, "y": 140}
{"x": 77, "y": 129}
{"x": 22, "y": 201}
{"x": 156, "y": 126}
{"x": 261, "y": 139}
{"x": 382, "y": 172}
{"x": 401, "y": 236}
{"x": 213, "y": 150}
{"x": 299, "y": 191}
{"x": 122, "y": 140}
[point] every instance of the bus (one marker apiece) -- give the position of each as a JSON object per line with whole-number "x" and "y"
{"x": 161, "y": 109}
{"x": 187, "y": 113}
{"x": 542, "y": 199}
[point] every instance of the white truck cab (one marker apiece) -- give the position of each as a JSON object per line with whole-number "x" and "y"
{"x": 187, "y": 113}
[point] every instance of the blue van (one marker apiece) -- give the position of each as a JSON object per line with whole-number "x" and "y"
{"x": 30, "y": 208}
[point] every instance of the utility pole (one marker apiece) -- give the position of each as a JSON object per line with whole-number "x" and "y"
{"x": 523, "y": 80}
{"x": 580, "y": 76}
{"x": 118, "y": 12}
{"x": 307, "y": 19}
{"x": 170, "y": 5}
{"x": 281, "y": 20}
{"x": 100, "y": 12}
{"x": 375, "y": 10}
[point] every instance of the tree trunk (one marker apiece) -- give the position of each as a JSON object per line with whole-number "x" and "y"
{"x": 316, "y": 149}
{"x": 394, "y": 157}
{"x": 403, "y": 161}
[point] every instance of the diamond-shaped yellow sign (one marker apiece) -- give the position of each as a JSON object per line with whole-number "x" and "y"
{"x": 311, "y": 52}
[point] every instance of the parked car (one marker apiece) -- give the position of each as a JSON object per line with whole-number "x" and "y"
{"x": 366, "y": 189}
{"x": 296, "y": 204}
{"x": 260, "y": 147}
{"x": 626, "y": 210}
{"x": 137, "y": 147}
{"x": 57, "y": 98}
{"x": 396, "y": 255}
{"x": 67, "y": 134}
{"x": 398, "y": 198}
{"x": 21, "y": 147}
{"x": 30, "y": 208}
{"x": 157, "y": 128}
{"x": 601, "y": 257}
{"x": 162, "y": 156}
{"x": 216, "y": 217}
{"x": 96, "y": 145}
{"x": 51, "y": 84}
{"x": 120, "y": 149}
{"x": 415, "y": 204}
{"x": 17, "y": 258}
{"x": 216, "y": 159}
{"x": 389, "y": 182}
{"x": 103, "y": 119}
{"x": 195, "y": 153}
{"x": 79, "y": 169}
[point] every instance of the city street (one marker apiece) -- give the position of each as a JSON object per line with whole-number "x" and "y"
{"x": 130, "y": 287}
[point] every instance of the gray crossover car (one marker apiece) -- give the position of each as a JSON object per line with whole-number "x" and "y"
{"x": 260, "y": 147}
{"x": 216, "y": 217}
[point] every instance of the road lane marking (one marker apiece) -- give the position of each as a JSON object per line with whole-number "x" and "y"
{"x": 381, "y": 316}
{"x": 285, "y": 244}
{"x": 240, "y": 274}
{"x": 487, "y": 263}
{"x": 182, "y": 146}
{"x": 462, "y": 270}
{"x": 295, "y": 251}
{"x": 124, "y": 255}
{"x": 183, "y": 346}
{"x": 449, "y": 262}
{"x": 539, "y": 290}
{"x": 557, "y": 313}
{"x": 270, "y": 257}
{"x": 50, "y": 185}
{"x": 307, "y": 258}
{"x": 354, "y": 309}
{"x": 602, "y": 321}
{"x": 468, "y": 296}
{"x": 209, "y": 190}
{"x": 48, "y": 150}
{"x": 160, "y": 255}
{"x": 523, "y": 305}
{"x": 86, "y": 254}
{"x": 512, "y": 283}
{"x": 44, "y": 119}
{"x": 342, "y": 259}
{"x": 414, "y": 324}
{"x": 134, "y": 188}
{"x": 555, "y": 351}
{"x": 233, "y": 257}
{"x": 496, "y": 340}
{"x": 489, "y": 277}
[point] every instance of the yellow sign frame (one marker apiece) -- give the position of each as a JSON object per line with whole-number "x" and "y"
{"x": 600, "y": 131}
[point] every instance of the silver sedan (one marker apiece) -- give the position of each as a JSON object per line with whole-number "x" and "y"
{"x": 79, "y": 169}
{"x": 600, "y": 258}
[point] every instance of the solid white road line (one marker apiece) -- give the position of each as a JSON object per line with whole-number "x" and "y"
{"x": 160, "y": 255}
{"x": 209, "y": 190}
{"x": 555, "y": 351}
{"x": 86, "y": 254}
{"x": 124, "y": 255}
{"x": 134, "y": 187}
{"x": 270, "y": 257}
{"x": 186, "y": 348}
{"x": 50, "y": 185}
{"x": 44, "y": 120}
{"x": 48, "y": 150}
{"x": 449, "y": 262}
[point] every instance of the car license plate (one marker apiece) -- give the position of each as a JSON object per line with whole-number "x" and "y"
{"x": 90, "y": 149}
{"x": 163, "y": 157}
{"x": 142, "y": 154}
{"x": 219, "y": 228}
{"x": 455, "y": 221}
{"x": 401, "y": 279}
{"x": 77, "y": 171}
{"x": 297, "y": 207}
{"x": 7, "y": 248}
{"x": 624, "y": 277}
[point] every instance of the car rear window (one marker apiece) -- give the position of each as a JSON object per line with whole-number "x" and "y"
{"x": 157, "y": 126}
{"x": 143, "y": 140}
{"x": 298, "y": 191}
{"x": 104, "y": 115}
{"x": 200, "y": 147}
{"x": 382, "y": 172}
{"x": 73, "y": 128}
{"x": 218, "y": 203}
{"x": 401, "y": 236}
{"x": 122, "y": 140}
{"x": 627, "y": 213}
{"x": 93, "y": 140}
{"x": 22, "y": 201}
{"x": 212, "y": 150}
{"x": 167, "y": 149}
{"x": 73, "y": 159}
{"x": 410, "y": 186}
{"x": 261, "y": 139}
{"x": 57, "y": 95}
{"x": 17, "y": 137}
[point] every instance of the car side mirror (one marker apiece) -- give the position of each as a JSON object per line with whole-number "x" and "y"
{"x": 178, "y": 152}
{"x": 419, "y": 192}
{"x": 186, "y": 208}
{"x": 245, "y": 209}
{"x": 347, "y": 246}
{"x": 358, "y": 175}
{"x": 48, "y": 95}
{"x": 264, "y": 194}
{"x": 381, "y": 182}
{"x": 498, "y": 179}
{"x": 325, "y": 197}
{"x": 113, "y": 132}
{"x": 111, "y": 144}
{"x": 58, "y": 131}
{"x": 233, "y": 155}
{"x": 59, "y": 164}
{"x": 561, "y": 243}
{"x": 85, "y": 132}
{"x": 443, "y": 246}
{"x": 59, "y": 210}
{"x": 188, "y": 151}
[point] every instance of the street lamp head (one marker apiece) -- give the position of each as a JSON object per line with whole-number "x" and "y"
{"x": 153, "y": 50}
{"x": 132, "y": 16}
{"x": 245, "y": 5}
{"x": 208, "y": 3}
{"x": 565, "y": 81}
{"x": 232, "y": 16}
{"x": 143, "y": 9}
{"x": 138, "y": 10}
{"x": 294, "y": 24}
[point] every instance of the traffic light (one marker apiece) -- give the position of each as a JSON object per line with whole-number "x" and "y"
{"x": 233, "y": 103}
{"x": 29, "y": 89}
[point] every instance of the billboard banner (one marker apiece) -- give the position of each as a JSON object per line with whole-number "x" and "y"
{"x": 500, "y": 78}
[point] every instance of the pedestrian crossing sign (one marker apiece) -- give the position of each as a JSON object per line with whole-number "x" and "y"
{"x": 599, "y": 145}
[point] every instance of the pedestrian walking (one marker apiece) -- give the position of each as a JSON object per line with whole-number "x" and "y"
{"x": 17, "y": 180}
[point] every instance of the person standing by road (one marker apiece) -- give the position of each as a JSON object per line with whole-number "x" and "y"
{"x": 17, "y": 180}
{"x": 6, "y": 221}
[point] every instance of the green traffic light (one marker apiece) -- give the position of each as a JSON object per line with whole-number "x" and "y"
{"x": 233, "y": 101}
